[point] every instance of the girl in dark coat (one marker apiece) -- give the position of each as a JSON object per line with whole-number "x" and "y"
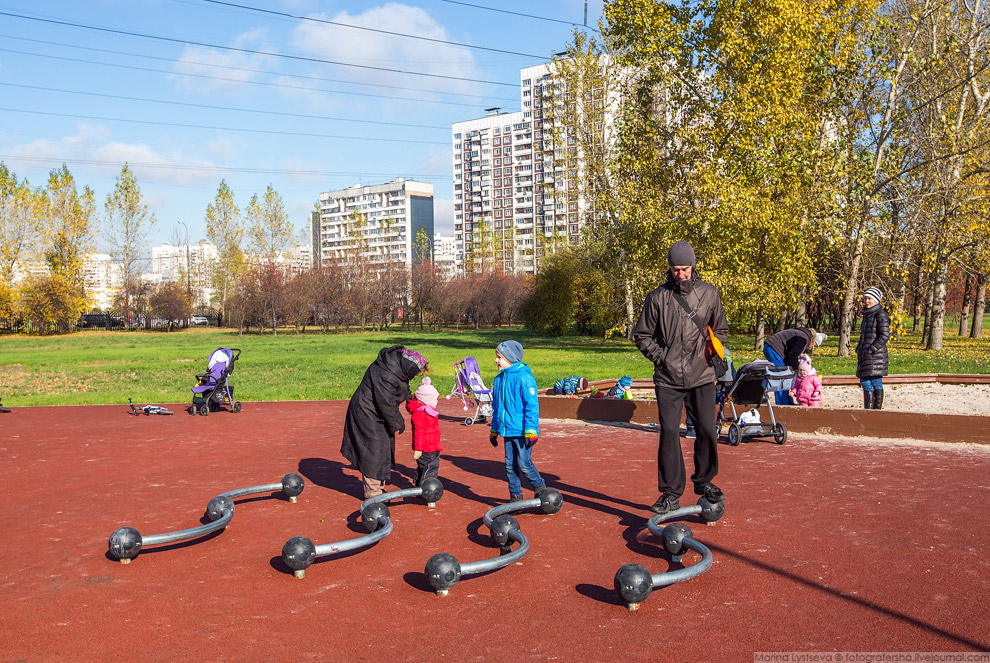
{"x": 373, "y": 417}
{"x": 871, "y": 351}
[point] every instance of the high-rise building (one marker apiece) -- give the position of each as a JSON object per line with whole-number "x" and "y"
{"x": 509, "y": 192}
{"x": 445, "y": 254}
{"x": 378, "y": 223}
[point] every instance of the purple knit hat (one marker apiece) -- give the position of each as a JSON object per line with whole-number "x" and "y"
{"x": 414, "y": 357}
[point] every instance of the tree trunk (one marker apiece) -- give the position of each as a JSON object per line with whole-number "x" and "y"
{"x": 782, "y": 321}
{"x": 760, "y": 331}
{"x": 631, "y": 319}
{"x": 926, "y": 332}
{"x": 916, "y": 296}
{"x": 274, "y": 321}
{"x": 981, "y": 302}
{"x": 936, "y": 336}
{"x": 966, "y": 302}
{"x": 801, "y": 315}
{"x": 852, "y": 282}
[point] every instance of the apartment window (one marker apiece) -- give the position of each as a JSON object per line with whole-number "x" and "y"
{"x": 498, "y": 141}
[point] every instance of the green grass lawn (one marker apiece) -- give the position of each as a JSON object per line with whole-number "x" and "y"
{"x": 157, "y": 367}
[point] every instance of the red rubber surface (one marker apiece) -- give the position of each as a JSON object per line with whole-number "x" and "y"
{"x": 825, "y": 546}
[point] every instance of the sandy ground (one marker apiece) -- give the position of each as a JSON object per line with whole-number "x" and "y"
{"x": 927, "y": 397}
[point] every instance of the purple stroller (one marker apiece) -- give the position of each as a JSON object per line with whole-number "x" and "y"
{"x": 468, "y": 386}
{"x": 213, "y": 389}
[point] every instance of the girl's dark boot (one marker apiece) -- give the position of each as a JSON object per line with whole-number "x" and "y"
{"x": 878, "y": 399}
{"x": 867, "y": 400}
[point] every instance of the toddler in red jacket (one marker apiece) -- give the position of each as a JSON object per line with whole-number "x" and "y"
{"x": 807, "y": 386}
{"x": 426, "y": 431}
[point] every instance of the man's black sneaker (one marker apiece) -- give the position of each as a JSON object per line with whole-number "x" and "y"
{"x": 710, "y": 491}
{"x": 665, "y": 504}
{"x": 690, "y": 432}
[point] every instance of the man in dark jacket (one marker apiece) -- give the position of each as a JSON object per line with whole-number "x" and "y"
{"x": 785, "y": 349}
{"x": 373, "y": 417}
{"x": 683, "y": 377}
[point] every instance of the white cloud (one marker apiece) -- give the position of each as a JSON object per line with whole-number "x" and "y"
{"x": 229, "y": 69}
{"x": 91, "y": 144}
{"x": 443, "y": 216}
{"x": 342, "y": 44}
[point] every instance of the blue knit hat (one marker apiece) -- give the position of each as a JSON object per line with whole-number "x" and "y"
{"x": 511, "y": 350}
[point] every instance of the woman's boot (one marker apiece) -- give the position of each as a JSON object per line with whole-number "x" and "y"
{"x": 878, "y": 399}
{"x": 867, "y": 400}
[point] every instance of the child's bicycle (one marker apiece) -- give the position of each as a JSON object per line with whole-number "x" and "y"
{"x": 148, "y": 409}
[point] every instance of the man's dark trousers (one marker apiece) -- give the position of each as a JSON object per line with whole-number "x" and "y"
{"x": 700, "y": 404}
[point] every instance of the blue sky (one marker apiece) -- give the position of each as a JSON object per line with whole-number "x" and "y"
{"x": 190, "y": 92}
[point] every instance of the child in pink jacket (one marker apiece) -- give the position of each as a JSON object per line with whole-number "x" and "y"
{"x": 807, "y": 389}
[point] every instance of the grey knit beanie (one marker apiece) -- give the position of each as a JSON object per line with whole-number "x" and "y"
{"x": 511, "y": 350}
{"x": 681, "y": 253}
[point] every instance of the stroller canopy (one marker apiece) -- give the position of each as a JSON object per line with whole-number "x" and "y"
{"x": 473, "y": 376}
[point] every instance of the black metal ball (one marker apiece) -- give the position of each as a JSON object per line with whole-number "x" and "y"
{"x": 550, "y": 500}
{"x": 432, "y": 489}
{"x": 673, "y": 536}
{"x": 443, "y": 571}
{"x": 633, "y": 583}
{"x": 500, "y": 528}
{"x": 298, "y": 553}
{"x": 711, "y": 511}
{"x": 125, "y": 543}
{"x": 370, "y": 515}
{"x": 292, "y": 484}
{"x": 216, "y": 507}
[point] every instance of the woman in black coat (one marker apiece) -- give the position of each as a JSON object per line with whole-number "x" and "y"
{"x": 871, "y": 351}
{"x": 373, "y": 416}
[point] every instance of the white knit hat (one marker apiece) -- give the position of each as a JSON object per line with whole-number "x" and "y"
{"x": 875, "y": 293}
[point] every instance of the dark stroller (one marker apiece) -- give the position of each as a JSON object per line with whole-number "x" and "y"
{"x": 469, "y": 386}
{"x": 214, "y": 389}
{"x": 752, "y": 385}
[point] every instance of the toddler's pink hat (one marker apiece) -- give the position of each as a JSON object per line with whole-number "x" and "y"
{"x": 427, "y": 393}
{"x": 804, "y": 363}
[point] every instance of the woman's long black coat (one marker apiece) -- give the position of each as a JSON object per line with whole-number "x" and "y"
{"x": 373, "y": 416}
{"x": 871, "y": 351}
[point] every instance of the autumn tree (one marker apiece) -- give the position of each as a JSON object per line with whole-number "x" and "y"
{"x": 269, "y": 230}
{"x": 17, "y": 204}
{"x": 126, "y": 227}
{"x": 66, "y": 224}
{"x": 226, "y": 232}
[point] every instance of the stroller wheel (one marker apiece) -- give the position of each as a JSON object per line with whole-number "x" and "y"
{"x": 468, "y": 421}
{"x": 237, "y": 407}
{"x": 204, "y": 409}
{"x": 734, "y": 434}
{"x": 779, "y": 433}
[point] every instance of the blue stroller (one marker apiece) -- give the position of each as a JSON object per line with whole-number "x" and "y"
{"x": 468, "y": 386}
{"x": 214, "y": 389}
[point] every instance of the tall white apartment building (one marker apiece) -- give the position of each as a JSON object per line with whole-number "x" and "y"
{"x": 380, "y": 222}
{"x": 171, "y": 262}
{"x": 445, "y": 254}
{"x": 102, "y": 279}
{"x": 506, "y": 187}
{"x": 190, "y": 264}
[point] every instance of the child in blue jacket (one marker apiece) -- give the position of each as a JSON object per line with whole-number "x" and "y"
{"x": 516, "y": 417}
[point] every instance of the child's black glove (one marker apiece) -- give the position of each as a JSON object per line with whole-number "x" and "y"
{"x": 493, "y": 438}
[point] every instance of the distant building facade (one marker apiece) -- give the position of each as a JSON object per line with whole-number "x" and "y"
{"x": 509, "y": 185}
{"x": 445, "y": 254}
{"x": 377, "y": 223}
